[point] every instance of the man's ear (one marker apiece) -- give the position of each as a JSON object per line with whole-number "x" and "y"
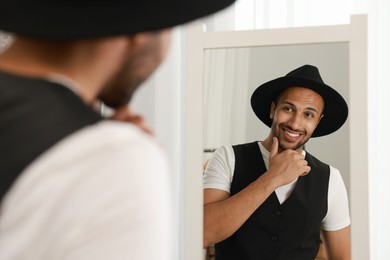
{"x": 319, "y": 120}
{"x": 137, "y": 40}
{"x": 272, "y": 111}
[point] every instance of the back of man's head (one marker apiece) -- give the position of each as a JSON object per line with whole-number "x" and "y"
{"x": 64, "y": 20}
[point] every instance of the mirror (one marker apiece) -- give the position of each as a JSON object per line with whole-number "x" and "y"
{"x": 232, "y": 74}
{"x": 340, "y": 52}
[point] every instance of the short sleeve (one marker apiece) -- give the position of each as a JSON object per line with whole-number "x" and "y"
{"x": 220, "y": 168}
{"x": 338, "y": 216}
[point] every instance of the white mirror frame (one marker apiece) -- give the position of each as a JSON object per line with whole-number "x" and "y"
{"x": 355, "y": 34}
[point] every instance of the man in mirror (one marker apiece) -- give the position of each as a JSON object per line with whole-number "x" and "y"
{"x": 272, "y": 199}
{"x": 75, "y": 185}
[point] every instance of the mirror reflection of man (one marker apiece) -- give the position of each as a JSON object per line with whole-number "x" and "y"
{"x": 272, "y": 199}
{"x": 74, "y": 185}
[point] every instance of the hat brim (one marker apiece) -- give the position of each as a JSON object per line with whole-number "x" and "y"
{"x": 335, "y": 110}
{"x": 67, "y": 20}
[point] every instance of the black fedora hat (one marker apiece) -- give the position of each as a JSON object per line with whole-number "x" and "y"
{"x": 67, "y": 19}
{"x": 335, "y": 110}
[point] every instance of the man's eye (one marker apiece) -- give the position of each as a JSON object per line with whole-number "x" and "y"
{"x": 311, "y": 115}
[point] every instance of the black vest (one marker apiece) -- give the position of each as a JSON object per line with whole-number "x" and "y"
{"x": 285, "y": 231}
{"x": 34, "y": 115}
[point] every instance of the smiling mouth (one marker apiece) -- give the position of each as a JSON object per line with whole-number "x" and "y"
{"x": 291, "y": 135}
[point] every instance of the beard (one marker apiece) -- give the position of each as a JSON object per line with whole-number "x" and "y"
{"x": 116, "y": 95}
{"x": 282, "y": 146}
{"x": 121, "y": 87}
{"x": 137, "y": 67}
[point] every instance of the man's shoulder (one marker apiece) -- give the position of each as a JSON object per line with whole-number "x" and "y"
{"x": 319, "y": 166}
{"x": 105, "y": 152}
{"x": 109, "y": 133}
{"x": 314, "y": 159}
{"x": 245, "y": 148}
{"x": 103, "y": 143}
{"x": 249, "y": 144}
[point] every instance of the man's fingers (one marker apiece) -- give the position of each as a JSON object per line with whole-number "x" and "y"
{"x": 125, "y": 114}
{"x": 304, "y": 162}
{"x": 306, "y": 170}
{"x": 122, "y": 114}
{"x": 274, "y": 147}
{"x": 293, "y": 161}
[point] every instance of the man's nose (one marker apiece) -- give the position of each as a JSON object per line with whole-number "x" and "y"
{"x": 295, "y": 122}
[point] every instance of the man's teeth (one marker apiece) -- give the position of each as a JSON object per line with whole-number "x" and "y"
{"x": 291, "y": 134}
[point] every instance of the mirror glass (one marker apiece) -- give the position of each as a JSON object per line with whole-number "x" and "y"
{"x": 232, "y": 74}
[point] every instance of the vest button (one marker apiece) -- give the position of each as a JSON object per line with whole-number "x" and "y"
{"x": 278, "y": 213}
{"x": 274, "y": 238}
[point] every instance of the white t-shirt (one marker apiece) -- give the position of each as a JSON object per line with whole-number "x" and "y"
{"x": 219, "y": 175}
{"x": 102, "y": 193}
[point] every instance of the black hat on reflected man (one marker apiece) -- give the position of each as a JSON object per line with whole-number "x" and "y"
{"x": 335, "y": 110}
{"x": 69, "y": 19}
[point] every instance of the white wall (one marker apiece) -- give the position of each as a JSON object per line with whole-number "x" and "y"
{"x": 379, "y": 141}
